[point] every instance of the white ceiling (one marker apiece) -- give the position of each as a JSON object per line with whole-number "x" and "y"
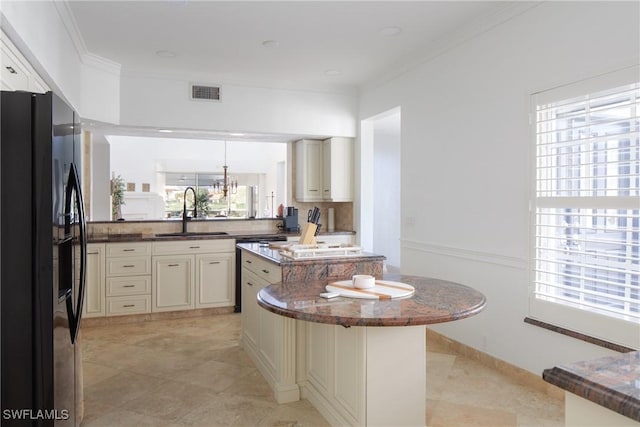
{"x": 223, "y": 40}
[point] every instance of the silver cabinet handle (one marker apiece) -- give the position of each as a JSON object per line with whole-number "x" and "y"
{"x": 11, "y": 69}
{"x": 313, "y": 190}
{"x": 248, "y": 261}
{"x": 265, "y": 271}
{"x": 128, "y": 266}
{"x": 129, "y": 305}
{"x": 194, "y": 247}
{"x": 93, "y": 253}
{"x": 249, "y": 283}
{"x": 128, "y": 250}
{"x": 173, "y": 265}
{"x": 128, "y": 286}
{"x": 214, "y": 262}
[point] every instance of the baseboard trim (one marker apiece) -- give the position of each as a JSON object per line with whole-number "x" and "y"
{"x": 165, "y": 315}
{"x": 519, "y": 375}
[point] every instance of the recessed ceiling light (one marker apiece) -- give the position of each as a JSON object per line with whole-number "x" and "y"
{"x": 236, "y": 134}
{"x": 165, "y": 54}
{"x": 333, "y": 72}
{"x": 271, "y": 43}
{"x": 390, "y": 31}
{"x": 165, "y": 130}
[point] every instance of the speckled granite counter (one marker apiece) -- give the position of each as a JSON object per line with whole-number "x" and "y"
{"x": 435, "y": 301}
{"x": 612, "y": 382}
{"x": 338, "y": 268}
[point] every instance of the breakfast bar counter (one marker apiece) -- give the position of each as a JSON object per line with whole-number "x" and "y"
{"x": 363, "y": 361}
{"x": 434, "y": 301}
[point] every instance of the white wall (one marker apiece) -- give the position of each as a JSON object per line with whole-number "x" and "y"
{"x": 90, "y": 85}
{"x": 465, "y": 160}
{"x": 164, "y": 102}
{"x": 100, "y": 174}
{"x": 95, "y": 87}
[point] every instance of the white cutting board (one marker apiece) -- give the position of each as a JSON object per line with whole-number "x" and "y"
{"x": 384, "y": 289}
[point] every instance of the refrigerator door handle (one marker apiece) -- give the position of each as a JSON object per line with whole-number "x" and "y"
{"x": 74, "y": 308}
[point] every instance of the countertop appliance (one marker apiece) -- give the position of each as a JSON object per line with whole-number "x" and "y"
{"x": 43, "y": 253}
{"x": 290, "y": 221}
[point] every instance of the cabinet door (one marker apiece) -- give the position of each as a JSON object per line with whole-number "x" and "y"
{"x": 319, "y": 352}
{"x": 309, "y": 170}
{"x": 338, "y": 169}
{"x": 15, "y": 75}
{"x": 215, "y": 277}
{"x": 250, "y": 314}
{"x": 326, "y": 169}
{"x": 94, "y": 296}
{"x": 173, "y": 283}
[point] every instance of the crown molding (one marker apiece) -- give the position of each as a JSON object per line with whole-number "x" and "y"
{"x": 86, "y": 57}
{"x": 102, "y": 63}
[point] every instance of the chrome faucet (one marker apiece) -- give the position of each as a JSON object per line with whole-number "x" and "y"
{"x": 184, "y": 208}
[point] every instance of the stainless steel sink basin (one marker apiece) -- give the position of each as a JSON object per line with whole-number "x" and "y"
{"x": 193, "y": 234}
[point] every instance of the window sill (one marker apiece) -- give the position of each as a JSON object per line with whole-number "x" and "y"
{"x": 577, "y": 335}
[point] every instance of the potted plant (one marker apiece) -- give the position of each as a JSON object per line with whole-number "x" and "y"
{"x": 117, "y": 196}
{"x": 203, "y": 203}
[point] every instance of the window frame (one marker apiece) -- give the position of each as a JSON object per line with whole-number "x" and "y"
{"x": 581, "y": 320}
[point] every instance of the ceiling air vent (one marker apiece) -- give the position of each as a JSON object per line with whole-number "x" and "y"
{"x": 209, "y": 93}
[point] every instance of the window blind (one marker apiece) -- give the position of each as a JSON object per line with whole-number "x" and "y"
{"x": 586, "y": 216}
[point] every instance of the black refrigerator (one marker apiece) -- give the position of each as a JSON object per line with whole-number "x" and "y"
{"x": 43, "y": 256}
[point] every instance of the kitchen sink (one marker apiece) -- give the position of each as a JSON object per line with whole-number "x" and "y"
{"x": 193, "y": 234}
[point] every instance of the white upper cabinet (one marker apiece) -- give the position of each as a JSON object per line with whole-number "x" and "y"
{"x": 309, "y": 170}
{"x": 324, "y": 170}
{"x": 17, "y": 73}
{"x": 337, "y": 181}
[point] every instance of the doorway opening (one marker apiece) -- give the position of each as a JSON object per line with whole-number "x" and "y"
{"x": 380, "y": 185}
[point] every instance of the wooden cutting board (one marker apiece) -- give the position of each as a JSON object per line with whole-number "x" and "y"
{"x": 278, "y": 245}
{"x": 384, "y": 289}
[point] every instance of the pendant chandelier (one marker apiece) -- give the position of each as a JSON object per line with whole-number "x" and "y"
{"x": 226, "y": 186}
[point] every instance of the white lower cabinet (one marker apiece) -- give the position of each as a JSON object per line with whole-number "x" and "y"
{"x": 335, "y": 372}
{"x": 190, "y": 274}
{"x": 268, "y": 339}
{"x": 128, "y": 278}
{"x": 94, "y": 294}
{"x": 215, "y": 279}
{"x": 173, "y": 283}
{"x": 129, "y": 304}
{"x": 251, "y": 284}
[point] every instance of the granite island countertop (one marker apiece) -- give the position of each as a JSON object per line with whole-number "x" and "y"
{"x": 612, "y": 382}
{"x": 434, "y": 301}
{"x": 273, "y": 255}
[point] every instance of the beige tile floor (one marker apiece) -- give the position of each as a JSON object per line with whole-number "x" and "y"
{"x": 192, "y": 372}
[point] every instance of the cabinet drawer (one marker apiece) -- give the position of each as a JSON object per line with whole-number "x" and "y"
{"x": 128, "y": 249}
{"x": 128, "y": 266}
{"x": 193, "y": 246}
{"x": 118, "y": 306}
{"x": 266, "y": 270}
{"x": 135, "y": 285}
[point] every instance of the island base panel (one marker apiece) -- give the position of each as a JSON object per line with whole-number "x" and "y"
{"x": 396, "y": 376}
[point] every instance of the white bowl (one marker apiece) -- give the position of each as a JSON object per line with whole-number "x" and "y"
{"x": 363, "y": 281}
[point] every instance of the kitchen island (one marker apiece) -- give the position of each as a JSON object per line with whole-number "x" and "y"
{"x": 274, "y": 342}
{"x": 358, "y": 361}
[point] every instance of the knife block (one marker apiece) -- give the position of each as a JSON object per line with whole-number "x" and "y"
{"x": 307, "y": 236}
